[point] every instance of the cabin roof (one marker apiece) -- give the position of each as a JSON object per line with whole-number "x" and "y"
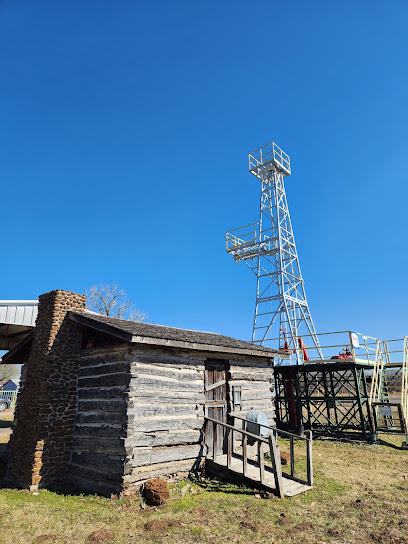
{"x": 147, "y": 333}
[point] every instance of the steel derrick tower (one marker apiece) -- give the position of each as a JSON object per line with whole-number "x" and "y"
{"x": 282, "y": 315}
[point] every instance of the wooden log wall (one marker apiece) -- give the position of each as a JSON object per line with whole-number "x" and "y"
{"x": 141, "y": 412}
{"x": 98, "y": 453}
{"x": 165, "y": 413}
{"x": 254, "y": 377}
{"x": 167, "y": 403}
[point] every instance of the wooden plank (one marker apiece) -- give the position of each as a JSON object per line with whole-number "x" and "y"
{"x": 244, "y": 451}
{"x": 229, "y": 447}
{"x": 216, "y": 400}
{"x": 214, "y": 441}
{"x": 251, "y": 375}
{"x": 215, "y": 385}
{"x": 276, "y": 465}
{"x": 103, "y": 357}
{"x": 270, "y": 414}
{"x": 140, "y": 474}
{"x": 261, "y": 462}
{"x": 163, "y": 438}
{"x": 252, "y": 479}
{"x": 176, "y": 397}
{"x": 166, "y": 410}
{"x": 256, "y": 394}
{"x": 162, "y": 423}
{"x": 153, "y": 369}
{"x": 246, "y": 363}
{"x": 292, "y": 456}
{"x": 234, "y": 477}
{"x": 255, "y": 386}
{"x": 160, "y": 357}
{"x": 293, "y": 491}
{"x": 309, "y": 457}
{"x": 156, "y": 384}
{"x": 152, "y": 456}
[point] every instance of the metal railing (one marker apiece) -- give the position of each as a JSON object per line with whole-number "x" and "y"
{"x": 338, "y": 346}
{"x": 390, "y": 398}
{"x": 245, "y": 242}
{"x": 266, "y": 155}
{"x": 242, "y": 241}
{"x": 404, "y": 382}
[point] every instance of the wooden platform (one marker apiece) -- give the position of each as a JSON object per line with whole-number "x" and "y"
{"x": 252, "y": 479}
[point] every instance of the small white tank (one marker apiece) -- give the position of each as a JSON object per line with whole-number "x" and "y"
{"x": 255, "y": 422}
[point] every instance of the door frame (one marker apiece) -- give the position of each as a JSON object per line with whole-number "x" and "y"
{"x": 214, "y": 369}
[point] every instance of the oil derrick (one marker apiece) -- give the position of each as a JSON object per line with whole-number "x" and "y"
{"x": 282, "y": 318}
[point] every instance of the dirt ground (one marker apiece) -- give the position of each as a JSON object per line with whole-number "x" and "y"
{"x": 6, "y": 422}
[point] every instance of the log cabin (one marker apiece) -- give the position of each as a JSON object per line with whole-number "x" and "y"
{"x": 107, "y": 404}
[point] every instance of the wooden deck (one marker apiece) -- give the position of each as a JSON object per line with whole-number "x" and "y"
{"x": 237, "y": 464}
{"x": 252, "y": 479}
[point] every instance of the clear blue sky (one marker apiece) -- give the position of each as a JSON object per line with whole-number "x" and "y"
{"x": 125, "y": 129}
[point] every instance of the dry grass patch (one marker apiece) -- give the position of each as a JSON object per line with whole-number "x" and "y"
{"x": 7, "y": 415}
{"x": 360, "y": 497}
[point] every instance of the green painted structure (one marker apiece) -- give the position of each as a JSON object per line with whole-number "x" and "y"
{"x": 333, "y": 398}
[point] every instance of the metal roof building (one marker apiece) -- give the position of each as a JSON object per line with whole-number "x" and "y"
{"x": 17, "y": 319}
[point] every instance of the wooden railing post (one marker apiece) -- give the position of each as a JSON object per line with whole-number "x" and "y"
{"x": 215, "y": 426}
{"x": 214, "y": 441}
{"x": 292, "y": 457}
{"x": 233, "y": 434}
{"x": 309, "y": 446}
{"x": 244, "y": 450}
{"x": 276, "y": 464}
{"x": 229, "y": 448}
{"x": 261, "y": 461}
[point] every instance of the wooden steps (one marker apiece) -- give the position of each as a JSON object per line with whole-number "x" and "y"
{"x": 252, "y": 478}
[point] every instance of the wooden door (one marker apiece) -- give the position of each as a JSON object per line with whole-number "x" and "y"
{"x": 215, "y": 383}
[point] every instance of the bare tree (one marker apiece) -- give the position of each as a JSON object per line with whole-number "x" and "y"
{"x": 110, "y": 300}
{"x": 9, "y": 372}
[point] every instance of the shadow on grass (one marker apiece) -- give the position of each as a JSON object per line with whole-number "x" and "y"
{"x": 394, "y": 446}
{"x": 5, "y": 424}
{"x": 218, "y": 486}
{"x": 2, "y": 463}
{"x": 357, "y": 439}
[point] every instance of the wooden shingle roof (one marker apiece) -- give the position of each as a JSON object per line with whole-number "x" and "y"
{"x": 147, "y": 333}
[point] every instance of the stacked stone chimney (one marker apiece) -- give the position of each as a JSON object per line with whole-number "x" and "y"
{"x": 39, "y": 450}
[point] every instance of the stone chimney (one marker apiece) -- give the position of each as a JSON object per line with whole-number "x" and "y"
{"x": 39, "y": 449}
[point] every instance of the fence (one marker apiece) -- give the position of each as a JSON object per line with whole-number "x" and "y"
{"x": 9, "y": 395}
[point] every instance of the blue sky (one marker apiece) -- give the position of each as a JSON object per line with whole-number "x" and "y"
{"x": 125, "y": 132}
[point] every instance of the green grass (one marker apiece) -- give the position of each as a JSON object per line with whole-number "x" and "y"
{"x": 360, "y": 496}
